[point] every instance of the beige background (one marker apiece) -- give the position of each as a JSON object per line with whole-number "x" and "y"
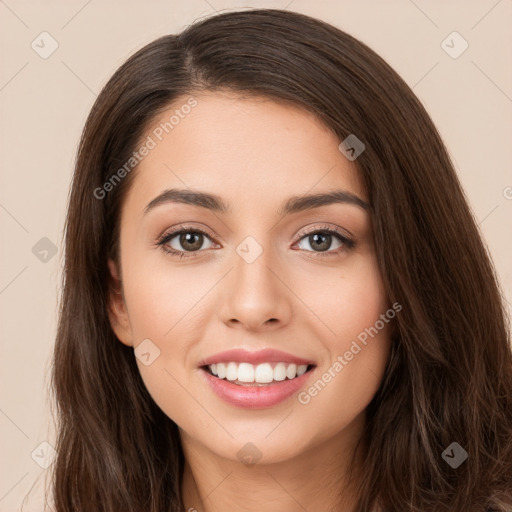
{"x": 45, "y": 102}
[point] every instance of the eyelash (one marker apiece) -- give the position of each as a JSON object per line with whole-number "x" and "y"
{"x": 348, "y": 244}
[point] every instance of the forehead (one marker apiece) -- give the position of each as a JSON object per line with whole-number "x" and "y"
{"x": 241, "y": 147}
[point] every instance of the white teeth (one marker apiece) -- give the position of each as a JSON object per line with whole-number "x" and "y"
{"x": 280, "y": 371}
{"x": 231, "y": 371}
{"x": 245, "y": 372}
{"x": 301, "y": 370}
{"x": 262, "y": 373}
{"x": 291, "y": 371}
{"x": 221, "y": 370}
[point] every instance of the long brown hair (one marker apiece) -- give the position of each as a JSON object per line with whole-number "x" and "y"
{"x": 449, "y": 377}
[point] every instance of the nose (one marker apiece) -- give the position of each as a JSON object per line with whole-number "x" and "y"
{"x": 257, "y": 296}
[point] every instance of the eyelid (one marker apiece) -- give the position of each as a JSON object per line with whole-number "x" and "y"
{"x": 186, "y": 227}
{"x": 308, "y": 230}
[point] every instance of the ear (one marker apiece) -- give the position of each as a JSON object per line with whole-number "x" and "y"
{"x": 117, "y": 312}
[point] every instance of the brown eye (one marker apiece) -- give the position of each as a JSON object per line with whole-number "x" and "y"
{"x": 322, "y": 241}
{"x": 191, "y": 241}
{"x": 185, "y": 241}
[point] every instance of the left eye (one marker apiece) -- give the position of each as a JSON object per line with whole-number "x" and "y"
{"x": 321, "y": 241}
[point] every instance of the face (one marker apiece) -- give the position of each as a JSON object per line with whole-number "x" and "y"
{"x": 254, "y": 265}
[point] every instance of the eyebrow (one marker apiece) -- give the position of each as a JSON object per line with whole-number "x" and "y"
{"x": 294, "y": 204}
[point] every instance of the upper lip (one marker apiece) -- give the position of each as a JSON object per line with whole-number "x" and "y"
{"x": 268, "y": 355}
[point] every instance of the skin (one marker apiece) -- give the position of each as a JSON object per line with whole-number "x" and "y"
{"x": 255, "y": 153}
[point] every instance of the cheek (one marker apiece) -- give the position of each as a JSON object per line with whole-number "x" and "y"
{"x": 357, "y": 342}
{"x": 161, "y": 300}
{"x": 165, "y": 306}
{"x": 345, "y": 302}
{"x": 163, "y": 309}
{"x": 362, "y": 301}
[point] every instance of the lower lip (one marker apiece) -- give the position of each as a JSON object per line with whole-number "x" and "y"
{"x": 255, "y": 397}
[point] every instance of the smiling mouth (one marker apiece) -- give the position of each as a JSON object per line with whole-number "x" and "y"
{"x": 264, "y": 374}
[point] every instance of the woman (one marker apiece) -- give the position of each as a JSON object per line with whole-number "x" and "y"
{"x": 275, "y": 295}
